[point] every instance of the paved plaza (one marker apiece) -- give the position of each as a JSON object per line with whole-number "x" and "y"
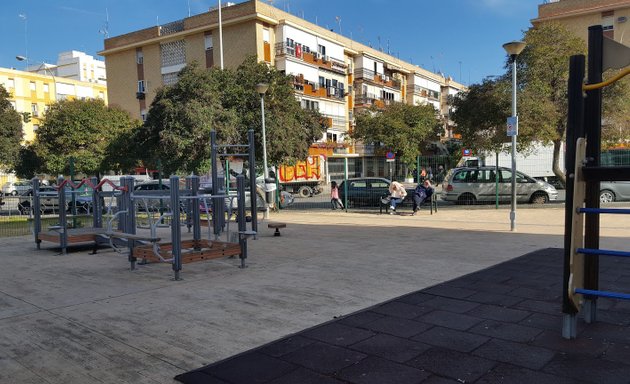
{"x": 83, "y": 318}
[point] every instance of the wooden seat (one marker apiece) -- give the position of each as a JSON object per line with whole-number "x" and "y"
{"x": 277, "y": 226}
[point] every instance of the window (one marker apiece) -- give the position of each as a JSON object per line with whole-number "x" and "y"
{"x": 139, "y": 57}
{"x": 34, "y": 110}
{"x": 46, "y": 90}
{"x": 266, "y": 35}
{"x": 141, "y": 86}
{"x": 358, "y": 184}
{"x": 322, "y": 81}
{"x": 310, "y": 105}
{"x": 321, "y": 50}
{"x": 208, "y": 44}
{"x": 10, "y": 83}
{"x": 35, "y": 127}
{"x": 143, "y": 114}
{"x": 33, "y": 86}
{"x": 331, "y": 136}
{"x": 13, "y": 105}
{"x": 101, "y": 95}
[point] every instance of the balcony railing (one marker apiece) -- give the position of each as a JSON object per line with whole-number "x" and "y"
{"x": 363, "y": 73}
{"x": 335, "y": 121}
{"x": 424, "y": 92}
{"x": 311, "y": 57}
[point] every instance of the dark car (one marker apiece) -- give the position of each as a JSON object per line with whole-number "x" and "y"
{"x": 365, "y": 191}
{"x": 49, "y": 200}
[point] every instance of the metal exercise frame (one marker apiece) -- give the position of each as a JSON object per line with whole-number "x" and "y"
{"x": 584, "y": 174}
{"x": 64, "y": 235}
{"x": 218, "y": 209}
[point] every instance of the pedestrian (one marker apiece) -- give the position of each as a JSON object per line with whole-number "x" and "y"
{"x": 397, "y": 193}
{"x": 423, "y": 174}
{"x": 335, "y": 201}
{"x": 422, "y": 192}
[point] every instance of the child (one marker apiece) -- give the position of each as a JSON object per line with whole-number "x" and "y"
{"x": 335, "y": 201}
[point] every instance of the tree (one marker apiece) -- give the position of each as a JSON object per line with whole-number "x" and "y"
{"x": 480, "y": 115}
{"x": 543, "y": 72}
{"x": 401, "y": 128}
{"x": 82, "y": 130}
{"x": 10, "y": 131}
{"x": 181, "y": 117}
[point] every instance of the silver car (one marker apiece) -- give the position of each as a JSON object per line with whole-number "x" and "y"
{"x": 470, "y": 185}
{"x": 610, "y": 191}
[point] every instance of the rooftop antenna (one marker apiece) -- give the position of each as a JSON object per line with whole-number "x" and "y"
{"x": 105, "y": 30}
{"x": 23, "y": 17}
{"x": 388, "y": 47}
{"x": 338, "y": 19}
{"x": 188, "y": 8}
{"x": 380, "y": 48}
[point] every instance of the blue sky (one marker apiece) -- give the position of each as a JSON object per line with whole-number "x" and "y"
{"x": 460, "y": 38}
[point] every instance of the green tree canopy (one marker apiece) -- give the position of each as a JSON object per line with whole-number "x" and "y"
{"x": 181, "y": 117}
{"x": 542, "y": 73}
{"x": 83, "y": 130}
{"x": 10, "y": 132}
{"x": 480, "y": 115}
{"x": 401, "y": 128}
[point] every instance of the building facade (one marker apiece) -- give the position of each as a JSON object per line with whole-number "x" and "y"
{"x": 578, "y": 15}
{"x": 331, "y": 73}
{"x": 30, "y": 94}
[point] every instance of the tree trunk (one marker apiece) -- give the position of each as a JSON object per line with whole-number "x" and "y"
{"x": 557, "y": 145}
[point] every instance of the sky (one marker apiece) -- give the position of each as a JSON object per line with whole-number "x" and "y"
{"x": 460, "y": 38}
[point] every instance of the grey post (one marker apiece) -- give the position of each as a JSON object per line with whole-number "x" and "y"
{"x": 194, "y": 207}
{"x": 127, "y": 221}
{"x": 176, "y": 231}
{"x": 97, "y": 209}
{"x": 63, "y": 220}
{"x": 37, "y": 215}
{"x": 252, "y": 179}
{"x": 242, "y": 223}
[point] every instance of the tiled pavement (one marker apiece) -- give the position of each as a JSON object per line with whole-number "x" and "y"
{"x": 498, "y": 325}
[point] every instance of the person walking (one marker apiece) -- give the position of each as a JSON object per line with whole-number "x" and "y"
{"x": 335, "y": 201}
{"x": 397, "y": 193}
{"x": 422, "y": 192}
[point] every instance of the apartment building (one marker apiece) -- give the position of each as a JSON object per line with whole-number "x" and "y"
{"x": 30, "y": 93}
{"x": 578, "y": 15}
{"x": 331, "y": 73}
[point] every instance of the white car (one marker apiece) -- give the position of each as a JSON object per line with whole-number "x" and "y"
{"x": 15, "y": 188}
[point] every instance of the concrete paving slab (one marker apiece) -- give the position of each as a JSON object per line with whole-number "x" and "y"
{"x": 81, "y": 318}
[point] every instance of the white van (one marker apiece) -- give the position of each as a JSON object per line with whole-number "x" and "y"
{"x": 116, "y": 180}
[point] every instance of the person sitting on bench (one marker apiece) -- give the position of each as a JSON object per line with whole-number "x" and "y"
{"x": 422, "y": 192}
{"x": 397, "y": 194}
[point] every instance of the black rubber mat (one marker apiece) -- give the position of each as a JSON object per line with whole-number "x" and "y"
{"x": 498, "y": 325}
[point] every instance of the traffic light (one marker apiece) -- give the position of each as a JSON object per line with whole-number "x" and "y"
{"x": 26, "y": 117}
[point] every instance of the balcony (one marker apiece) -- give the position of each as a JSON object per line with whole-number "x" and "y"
{"x": 376, "y": 78}
{"x": 424, "y": 92}
{"x": 311, "y": 57}
{"x": 308, "y": 88}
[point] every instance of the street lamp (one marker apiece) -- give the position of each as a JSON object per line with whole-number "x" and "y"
{"x": 513, "y": 48}
{"x": 262, "y": 88}
{"x": 42, "y": 65}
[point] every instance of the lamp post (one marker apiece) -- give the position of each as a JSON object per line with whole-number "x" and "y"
{"x": 513, "y": 48}
{"x": 42, "y": 65}
{"x": 262, "y": 88}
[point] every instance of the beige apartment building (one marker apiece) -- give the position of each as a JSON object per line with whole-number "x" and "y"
{"x": 578, "y": 15}
{"x": 331, "y": 73}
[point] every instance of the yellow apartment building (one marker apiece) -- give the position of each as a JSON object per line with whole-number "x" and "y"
{"x": 331, "y": 73}
{"x": 578, "y": 15}
{"x": 30, "y": 93}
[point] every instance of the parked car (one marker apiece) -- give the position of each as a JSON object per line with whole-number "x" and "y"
{"x": 15, "y": 188}
{"x": 469, "y": 185}
{"x": 366, "y": 191}
{"x": 614, "y": 191}
{"x": 49, "y": 200}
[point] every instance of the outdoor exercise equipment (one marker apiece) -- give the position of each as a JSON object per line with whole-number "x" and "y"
{"x": 61, "y": 233}
{"x": 584, "y": 174}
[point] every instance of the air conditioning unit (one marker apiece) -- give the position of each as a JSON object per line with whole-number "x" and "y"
{"x": 326, "y": 58}
{"x": 332, "y": 91}
{"x": 316, "y": 55}
{"x": 140, "y": 95}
